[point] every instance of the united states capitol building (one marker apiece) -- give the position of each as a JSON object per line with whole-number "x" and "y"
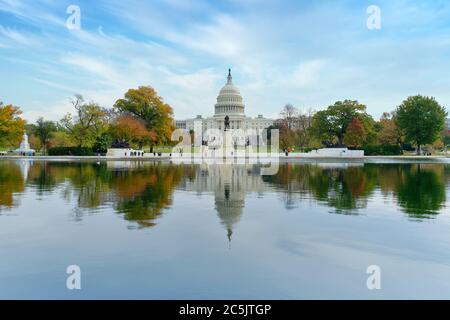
{"x": 230, "y": 105}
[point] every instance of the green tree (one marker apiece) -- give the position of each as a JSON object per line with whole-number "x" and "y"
{"x": 446, "y": 140}
{"x": 88, "y": 124}
{"x": 44, "y": 130}
{"x": 12, "y": 126}
{"x": 35, "y": 142}
{"x": 421, "y": 119}
{"x": 145, "y": 104}
{"x": 61, "y": 138}
{"x": 332, "y": 124}
{"x": 421, "y": 192}
{"x": 102, "y": 143}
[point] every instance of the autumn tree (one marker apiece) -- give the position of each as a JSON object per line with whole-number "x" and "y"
{"x": 12, "y": 126}
{"x": 422, "y": 119}
{"x": 145, "y": 104}
{"x": 355, "y": 134}
{"x": 294, "y": 127}
{"x": 12, "y": 183}
{"x": 389, "y": 133}
{"x": 130, "y": 129}
{"x": 286, "y": 136}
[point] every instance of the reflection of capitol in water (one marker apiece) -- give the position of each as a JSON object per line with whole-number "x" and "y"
{"x": 230, "y": 184}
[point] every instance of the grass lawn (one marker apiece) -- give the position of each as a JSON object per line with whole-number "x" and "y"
{"x": 166, "y": 149}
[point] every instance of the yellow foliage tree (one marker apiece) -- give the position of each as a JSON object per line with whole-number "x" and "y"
{"x": 12, "y": 126}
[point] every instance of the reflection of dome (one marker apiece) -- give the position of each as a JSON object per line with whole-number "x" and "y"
{"x": 229, "y": 101}
{"x": 230, "y": 208}
{"x": 230, "y": 184}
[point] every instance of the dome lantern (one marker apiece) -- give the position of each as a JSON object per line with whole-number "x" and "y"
{"x": 230, "y": 78}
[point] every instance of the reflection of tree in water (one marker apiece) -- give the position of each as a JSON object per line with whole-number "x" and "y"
{"x": 87, "y": 182}
{"x": 421, "y": 191}
{"x": 143, "y": 195}
{"x": 140, "y": 192}
{"x": 350, "y": 189}
{"x": 11, "y": 183}
{"x": 43, "y": 177}
{"x": 344, "y": 189}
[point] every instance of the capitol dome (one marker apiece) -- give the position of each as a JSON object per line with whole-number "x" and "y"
{"x": 229, "y": 101}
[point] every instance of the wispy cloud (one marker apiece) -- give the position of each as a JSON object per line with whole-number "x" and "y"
{"x": 55, "y": 85}
{"x": 13, "y": 36}
{"x": 306, "y": 53}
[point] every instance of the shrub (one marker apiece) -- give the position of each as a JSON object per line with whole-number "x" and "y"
{"x": 446, "y": 141}
{"x": 70, "y": 151}
{"x": 383, "y": 150}
{"x": 408, "y": 147}
{"x": 307, "y": 149}
{"x": 102, "y": 143}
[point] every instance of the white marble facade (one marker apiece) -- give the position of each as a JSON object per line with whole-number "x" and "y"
{"x": 229, "y": 103}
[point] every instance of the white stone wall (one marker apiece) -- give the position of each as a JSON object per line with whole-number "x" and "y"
{"x": 124, "y": 153}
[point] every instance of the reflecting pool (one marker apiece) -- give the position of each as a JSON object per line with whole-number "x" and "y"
{"x": 154, "y": 230}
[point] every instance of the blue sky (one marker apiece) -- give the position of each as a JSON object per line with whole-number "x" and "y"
{"x": 308, "y": 53}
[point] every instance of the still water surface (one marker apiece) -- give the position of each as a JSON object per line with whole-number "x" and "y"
{"x": 167, "y": 231}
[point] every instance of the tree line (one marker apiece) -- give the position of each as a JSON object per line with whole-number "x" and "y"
{"x": 142, "y": 119}
{"x": 417, "y": 122}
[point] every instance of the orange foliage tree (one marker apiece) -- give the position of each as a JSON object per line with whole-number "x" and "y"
{"x": 132, "y": 130}
{"x": 356, "y": 134}
{"x": 144, "y": 103}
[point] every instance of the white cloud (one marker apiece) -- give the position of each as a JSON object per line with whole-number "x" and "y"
{"x": 308, "y": 73}
{"x": 54, "y": 112}
{"x": 222, "y": 37}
